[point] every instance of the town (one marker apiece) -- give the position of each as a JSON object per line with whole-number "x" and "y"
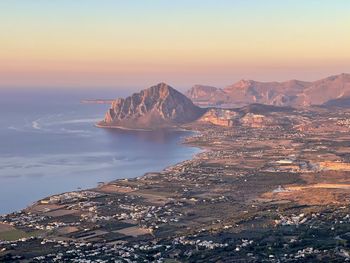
{"x": 266, "y": 188}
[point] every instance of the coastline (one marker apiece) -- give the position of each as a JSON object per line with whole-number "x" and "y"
{"x": 140, "y": 129}
{"x": 165, "y": 169}
{"x": 238, "y": 190}
{"x": 169, "y": 167}
{"x": 120, "y": 127}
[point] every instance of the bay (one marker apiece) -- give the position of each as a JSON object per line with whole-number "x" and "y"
{"x": 49, "y": 145}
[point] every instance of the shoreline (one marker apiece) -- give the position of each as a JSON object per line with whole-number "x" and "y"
{"x": 120, "y": 127}
{"x": 165, "y": 169}
{"x": 97, "y": 125}
{"x": 182, "y": 141}
{"x": 252, "y": 192}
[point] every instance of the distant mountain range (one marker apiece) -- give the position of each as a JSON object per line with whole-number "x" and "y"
{"x": 159, "y": 106}
{"x": 293, "y": 93}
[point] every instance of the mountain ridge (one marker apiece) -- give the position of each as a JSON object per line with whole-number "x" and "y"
{"x": 294, "y": 93}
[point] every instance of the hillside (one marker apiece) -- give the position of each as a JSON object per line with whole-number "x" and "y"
{"x": 159, "y": 106}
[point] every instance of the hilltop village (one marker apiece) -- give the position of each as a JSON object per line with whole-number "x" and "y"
{"x": 271, "y": 186}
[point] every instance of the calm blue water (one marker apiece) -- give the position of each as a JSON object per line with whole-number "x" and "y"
{"x": 48, "y": 145}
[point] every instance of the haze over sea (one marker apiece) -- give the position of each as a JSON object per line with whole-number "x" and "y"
{"x": 49, "y": 145}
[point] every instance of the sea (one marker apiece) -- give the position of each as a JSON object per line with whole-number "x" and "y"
{"x": 49, "y": 145}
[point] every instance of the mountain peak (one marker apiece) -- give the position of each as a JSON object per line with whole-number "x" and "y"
{"x": 244, "y": 83}
{"x": 162, "y": 86}
{"x": 155, "y": 107}
{"x": 162, "y": 89}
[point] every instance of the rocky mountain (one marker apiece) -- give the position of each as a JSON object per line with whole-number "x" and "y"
{"x": 294, "y": 93}
{"x": 159, "y": 106}
{"x": 201, "y": 93}
{"x": 324, "y": 90}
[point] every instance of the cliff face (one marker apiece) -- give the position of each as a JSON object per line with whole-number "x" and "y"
{"x": 290, "y": 93}
{"x": 253, "y": 115}
{"x": 203, "y": 94}
{"x": 156, "y": 107}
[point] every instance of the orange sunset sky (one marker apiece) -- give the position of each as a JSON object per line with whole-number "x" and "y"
{"x": 105, "y": 43}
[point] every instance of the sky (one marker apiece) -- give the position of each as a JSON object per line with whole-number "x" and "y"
{"x": 137, "y": 43}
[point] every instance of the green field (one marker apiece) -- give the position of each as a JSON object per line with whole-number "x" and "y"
{"x": 14, "y": 234}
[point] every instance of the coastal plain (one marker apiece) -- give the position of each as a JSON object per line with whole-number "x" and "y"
{"x": 267, "y": 187}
